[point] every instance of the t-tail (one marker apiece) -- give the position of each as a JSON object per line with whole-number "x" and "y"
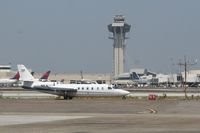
{"x": 17, "y": 76}
{"x": 46, "y": 75}
{"x": 25, "y": 75}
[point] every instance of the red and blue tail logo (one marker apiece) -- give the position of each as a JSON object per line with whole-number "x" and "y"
{"x": 17, "y": 76}
{"x": 46, "y": 75}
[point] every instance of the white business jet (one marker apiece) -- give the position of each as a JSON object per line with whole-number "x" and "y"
{"x": 68, "y": 91}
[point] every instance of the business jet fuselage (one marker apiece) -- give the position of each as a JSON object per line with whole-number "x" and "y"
{"x": 71, "y": 90}
{"x": 68, "y": 91}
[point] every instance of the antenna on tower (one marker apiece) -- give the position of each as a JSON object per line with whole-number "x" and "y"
{"x": 81, "y": 74}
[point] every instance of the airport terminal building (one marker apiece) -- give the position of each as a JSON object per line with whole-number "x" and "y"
{"x": 125, "y": 79}
{"x": 5, "y": 71}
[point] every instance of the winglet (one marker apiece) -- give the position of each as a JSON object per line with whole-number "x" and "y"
{"x": 32, "y": 73}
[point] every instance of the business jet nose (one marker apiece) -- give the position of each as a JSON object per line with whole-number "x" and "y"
{"x": 124, "y": 92}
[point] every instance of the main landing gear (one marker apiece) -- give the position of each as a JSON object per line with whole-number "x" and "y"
{"x": 124, "y": 97}
{"x": 67, "y": 97}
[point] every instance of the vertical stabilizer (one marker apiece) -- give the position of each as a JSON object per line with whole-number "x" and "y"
{"x": 17, "y": 76}
{"x": 46, "y": 75}
{"x": 25, "y": 75}
{"x": 135, "y": 76}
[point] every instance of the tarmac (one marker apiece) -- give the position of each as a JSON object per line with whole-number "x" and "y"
{"x": 99, "y": 115}
{"x": 19, "y": 94}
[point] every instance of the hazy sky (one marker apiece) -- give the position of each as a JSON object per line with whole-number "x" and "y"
{"x": 71, "y": 35}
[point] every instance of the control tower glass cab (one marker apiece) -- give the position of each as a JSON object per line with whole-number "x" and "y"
{"x": 119, "y": 29}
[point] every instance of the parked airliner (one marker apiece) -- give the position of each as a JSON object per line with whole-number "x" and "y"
{"x": 10, "y": 80}
{"x": 45, "y": 76}
{"x": 68, "y": 91}
{"x": 141, "y": 79}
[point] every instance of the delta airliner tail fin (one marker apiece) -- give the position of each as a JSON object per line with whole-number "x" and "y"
{"x": 62, "y": 80}
{"x": 46, "y": 75}
{"x": 25, "y": 75}
{"x": 17, "y": 76}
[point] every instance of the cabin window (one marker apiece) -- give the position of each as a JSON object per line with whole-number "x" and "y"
{"x": 102, "y": 88}
{"x": 97, "y": 88}
{"x": 87, "y": 88}
{"x": 78, "y": 88}
{"x": 92, "y": 88}
{"x": 82, "y": 88}
{"x": 109, "y": 88}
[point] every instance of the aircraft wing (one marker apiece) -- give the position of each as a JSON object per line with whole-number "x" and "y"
{"x": 63, "y": 89}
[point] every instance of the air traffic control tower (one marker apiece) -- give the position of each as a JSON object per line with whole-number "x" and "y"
{"x": 119, "y": 29}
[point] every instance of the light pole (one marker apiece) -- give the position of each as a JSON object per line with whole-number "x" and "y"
{"x": 186, "y": 64}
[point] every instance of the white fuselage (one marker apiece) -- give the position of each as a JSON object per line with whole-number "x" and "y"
{"x": 75, "y": 89}
{"x": 8, "y": 81}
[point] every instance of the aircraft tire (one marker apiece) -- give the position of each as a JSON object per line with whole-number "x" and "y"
{"x": 66, "y": 97}
{"x": 123, "y": 97}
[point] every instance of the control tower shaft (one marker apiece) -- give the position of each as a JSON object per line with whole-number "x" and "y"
{"x": 119, "y": 29}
